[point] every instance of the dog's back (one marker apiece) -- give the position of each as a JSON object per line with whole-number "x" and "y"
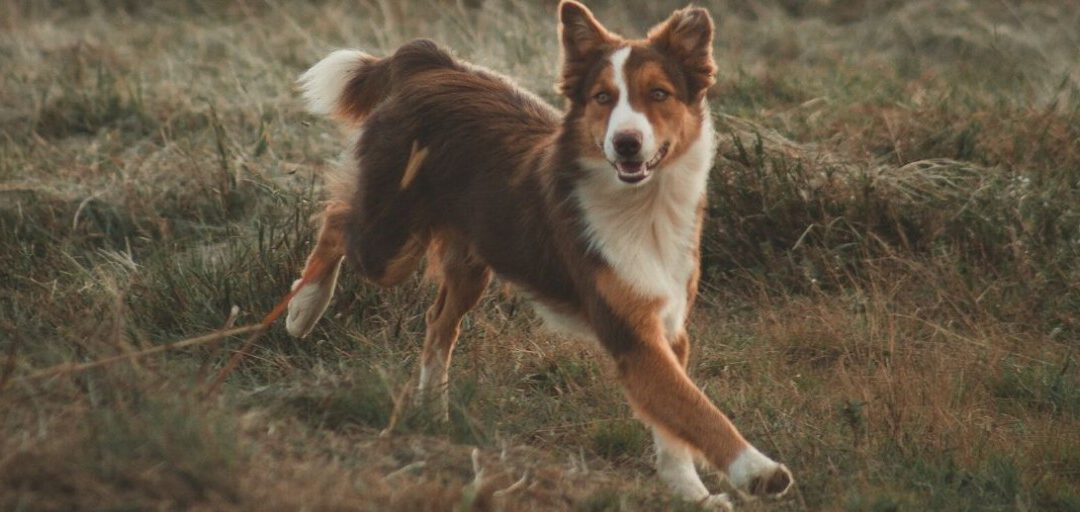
{"x": 447, "y": 150}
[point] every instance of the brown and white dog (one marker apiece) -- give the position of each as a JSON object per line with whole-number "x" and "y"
{"x": 594, "y": 213}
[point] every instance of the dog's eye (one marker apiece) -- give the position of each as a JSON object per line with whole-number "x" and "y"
{"x": 602, "y": 98}
{"x": 659, "y": 95}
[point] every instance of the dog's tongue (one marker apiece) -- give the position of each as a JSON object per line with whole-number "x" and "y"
{"x": 630, "y": 167}
{"x": 631, "y": 172}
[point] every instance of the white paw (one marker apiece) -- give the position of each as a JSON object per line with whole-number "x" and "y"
{"x": 757, "y": 475}
{"x": 309, "y": 304}
{"x": 717, "y": 502}
{"x": 433, "y": 395}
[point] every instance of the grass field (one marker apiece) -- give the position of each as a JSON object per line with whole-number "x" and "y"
{"x": 891, "y": 293}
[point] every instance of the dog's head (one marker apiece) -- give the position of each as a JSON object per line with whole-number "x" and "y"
{"x": 637, "y": 104}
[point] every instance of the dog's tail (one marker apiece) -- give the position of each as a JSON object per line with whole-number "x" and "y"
{"x": 348, "y": 84}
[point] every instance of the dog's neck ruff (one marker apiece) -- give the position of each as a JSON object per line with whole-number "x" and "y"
{"x": 648, "y": 234}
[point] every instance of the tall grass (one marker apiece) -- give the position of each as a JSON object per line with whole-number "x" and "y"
{"x": 891, "y": 257}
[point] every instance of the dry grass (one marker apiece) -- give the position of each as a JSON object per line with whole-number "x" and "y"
{"x": 892, "y": 266}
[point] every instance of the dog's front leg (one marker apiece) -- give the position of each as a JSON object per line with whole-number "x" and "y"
{"x": 630, "y": 328}
{"x": 675, "y": 467}
{"x": 674, "y": 459}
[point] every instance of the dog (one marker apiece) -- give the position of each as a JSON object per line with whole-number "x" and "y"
{"x": 594, "y": 212}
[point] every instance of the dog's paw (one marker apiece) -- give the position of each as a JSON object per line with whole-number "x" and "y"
{"x": 717, "y": 502}
{"x": 773, "y": 485}
{"x": 309, "y": 304}
{"x": 305, "y": 308}
{"x": 433, "y": 403}
{"x": 757, "y": 475}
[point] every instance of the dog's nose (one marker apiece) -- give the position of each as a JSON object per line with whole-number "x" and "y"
{"x": 627, "y": 143}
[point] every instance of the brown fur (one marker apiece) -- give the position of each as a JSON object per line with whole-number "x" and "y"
{"x": 655, "y": 382}
{"x": 464, "y": 277}
{"x": 330, "y": 244}
{"x": 459, "y": 156}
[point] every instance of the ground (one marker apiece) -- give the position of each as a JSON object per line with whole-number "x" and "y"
{"x": 891, "y": 293}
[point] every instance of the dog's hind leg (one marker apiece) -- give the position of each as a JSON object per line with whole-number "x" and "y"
{"x": 464, "y": 279}
{"x": 386, "y": 263}
{"x": 316, "y": 284}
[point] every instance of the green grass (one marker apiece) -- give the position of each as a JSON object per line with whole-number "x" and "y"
{"x": 891, "y": 259}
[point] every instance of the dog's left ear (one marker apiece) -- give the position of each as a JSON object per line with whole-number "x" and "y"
{"x": 687, "y": 37}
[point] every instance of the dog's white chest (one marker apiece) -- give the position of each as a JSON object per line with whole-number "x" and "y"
{"x": 648, "y": 234}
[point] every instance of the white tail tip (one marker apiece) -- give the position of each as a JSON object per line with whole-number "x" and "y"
{"x": 324, "y": 84}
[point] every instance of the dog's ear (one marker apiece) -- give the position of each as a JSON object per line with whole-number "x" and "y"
{"x": 687, "y": 37}
{"x": 583, "y": 41}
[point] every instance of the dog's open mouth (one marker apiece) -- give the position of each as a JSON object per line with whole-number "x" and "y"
{"x": 635, "y": 171}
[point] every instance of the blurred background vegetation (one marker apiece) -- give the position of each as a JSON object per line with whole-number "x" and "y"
{"x": 891, "y": 293}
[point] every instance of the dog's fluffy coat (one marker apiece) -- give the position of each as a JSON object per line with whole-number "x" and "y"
{"x": 594, "y": 213}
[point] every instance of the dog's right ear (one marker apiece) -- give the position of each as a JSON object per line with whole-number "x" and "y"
{"x": 583, "y": 41}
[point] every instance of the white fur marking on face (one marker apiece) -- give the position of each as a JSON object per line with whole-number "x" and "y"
{"x": 623, "y": 116}
{"x": 647, "y": 233}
